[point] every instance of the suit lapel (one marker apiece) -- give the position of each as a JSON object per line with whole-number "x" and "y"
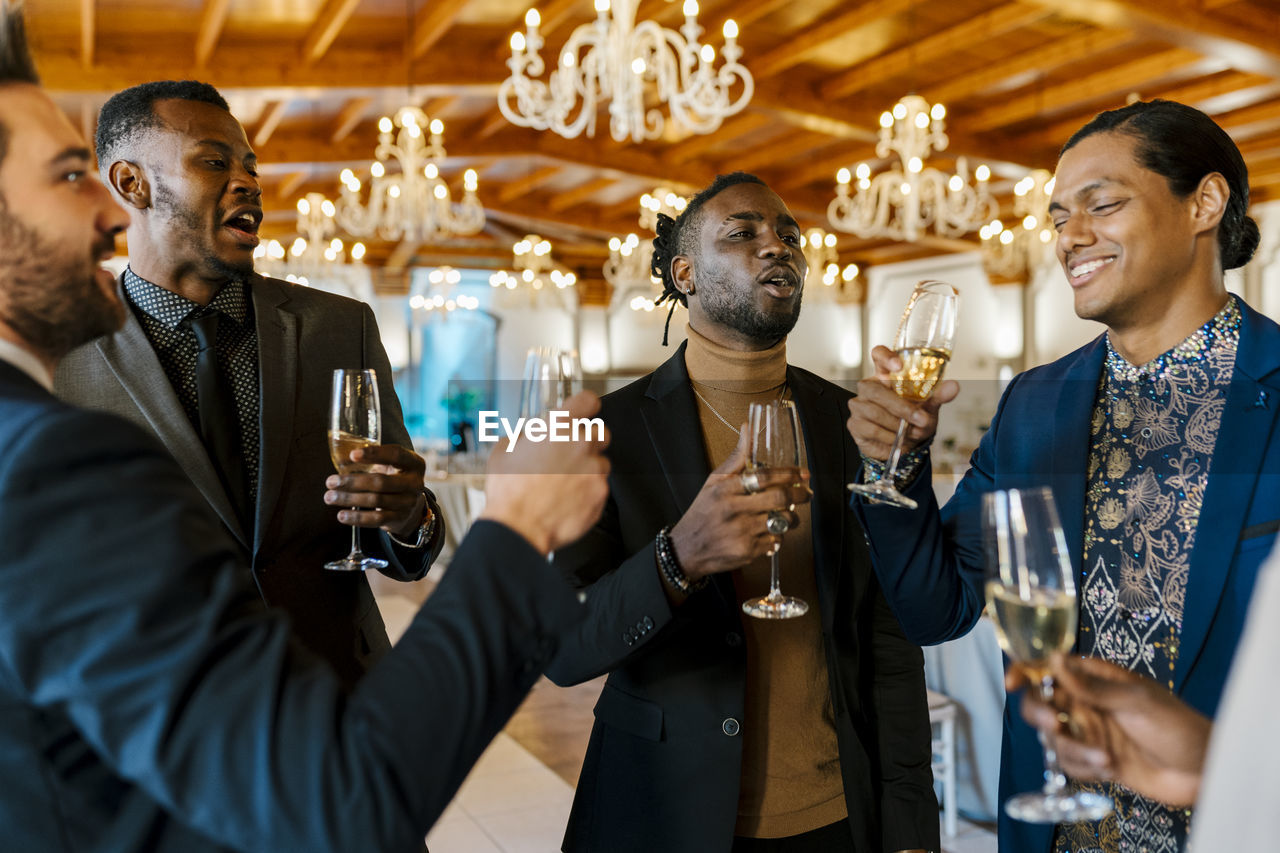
{"x": 130, "y": 357}
{"x": 1253, "y": 400}
{"x": 1071, "y": 401}
{"x": 277, "y": 329}
{"x": 823, "y": 428}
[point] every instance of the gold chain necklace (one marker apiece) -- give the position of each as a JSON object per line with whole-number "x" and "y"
{"x": 782, "y": 395}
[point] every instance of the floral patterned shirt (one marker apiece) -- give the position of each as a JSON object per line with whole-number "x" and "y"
{"x": 1153, "y": 430}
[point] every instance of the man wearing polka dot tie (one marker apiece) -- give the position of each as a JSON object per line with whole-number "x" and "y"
{"x": 204, "y": 330}
{"x": 1158, "y": 439}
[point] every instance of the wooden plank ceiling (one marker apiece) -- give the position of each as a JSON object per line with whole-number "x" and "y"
{"x": 310, "y": 78}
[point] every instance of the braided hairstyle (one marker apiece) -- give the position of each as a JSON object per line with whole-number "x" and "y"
{"x": 679, "y": 237}
{"x": 1182, "y": 144}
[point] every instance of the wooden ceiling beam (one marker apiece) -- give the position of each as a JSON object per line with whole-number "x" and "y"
{"x": 731, "y": 129}
{"x": 330, "y": 20}
{"x": 744, "y": 14}
{"x": 1183, "y": 24}
{"x": 569, "y": 199}
{"x": 433, "y": 19}
{"x": 988, "y": 25}
{"x": 88, "y": 31}
{"x": 798, "y": 46}
{"x": 1088, "y": 89}
{"x": 1025, "y": 67}
{"x": 520, "y": 187}
{"x": 268, "y": 122}
{"x": 349, "y": 117}
{"x": 555, "y": 14}
{"x": 290, "y": 184}
{"x": 212, "y": 17}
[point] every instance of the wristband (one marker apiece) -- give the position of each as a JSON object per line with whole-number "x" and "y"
{"x": 670, "y": 566}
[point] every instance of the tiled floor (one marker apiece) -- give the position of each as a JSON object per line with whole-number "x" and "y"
{"x": 517, "y": 798}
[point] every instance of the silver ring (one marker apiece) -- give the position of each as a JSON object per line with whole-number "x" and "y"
{"x": 777, "y": 523}
{"x": 750, "y": 481}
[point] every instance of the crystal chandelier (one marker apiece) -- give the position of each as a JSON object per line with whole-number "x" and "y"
{"x": 902, "y": 203}
{"x": 823, "y": 261}
{"x": 438, "y": 294}
{"x": 628, "y": 267}
{"x": 1018, "y": 251}
{"x": 414, "y": 204}
{"x": 533, "y": 266}
{"x": 630, "y": 66}
{"x": 317, "y": 254}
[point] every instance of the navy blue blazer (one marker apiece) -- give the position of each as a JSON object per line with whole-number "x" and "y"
{"x": 148, "y": 703}
{"x": 664, "y": 763}
{"x": 930, "y": 564}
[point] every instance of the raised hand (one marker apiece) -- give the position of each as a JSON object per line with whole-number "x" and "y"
{"x": 875, "y": 413}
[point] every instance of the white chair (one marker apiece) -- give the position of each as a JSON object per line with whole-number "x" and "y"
{"x": 942, "y": 716}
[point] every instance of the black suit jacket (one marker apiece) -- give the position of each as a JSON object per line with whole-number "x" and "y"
{"x": 148, "y": 703}
{"x": 663, "y": 766}
{"x": 303, "y": 335}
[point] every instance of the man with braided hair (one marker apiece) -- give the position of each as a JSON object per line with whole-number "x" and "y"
{"x": 716, "y": 732}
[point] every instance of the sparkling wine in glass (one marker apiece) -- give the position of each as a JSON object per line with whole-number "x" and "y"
{"x": 925, "y": 336}
{"x": 551, "y": 376}
{"x": 355, "y": 421}
{"x": 1031, "y": 598}
{"x": 775, "y": 445}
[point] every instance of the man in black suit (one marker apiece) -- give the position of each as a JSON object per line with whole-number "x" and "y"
{"x": 716, "y": 732}
{"x": 180, "y": 164}
{"x": 147, "y": 703}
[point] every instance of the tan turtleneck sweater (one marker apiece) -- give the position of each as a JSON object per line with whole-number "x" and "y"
{"x": 790, "y": 760}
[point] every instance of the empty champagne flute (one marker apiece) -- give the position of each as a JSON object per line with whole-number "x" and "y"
{"x": 551, "y": 376}
{"x": 775, "y": 445}
{"x": 926, "y": 334}
{"x": 355, "y": 421}
{"x": 1031, "y": 598}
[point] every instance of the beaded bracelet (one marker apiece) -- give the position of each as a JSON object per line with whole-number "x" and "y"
{"x": 670, "y": 566}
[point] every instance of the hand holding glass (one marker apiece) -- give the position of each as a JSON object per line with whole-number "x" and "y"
{"x": 926, "y": 334}
{"x": 1031, "y": 598}
{"x": 775, "y": 445}
{"x": 355, "y": 421}
{"x": 551, "y": 376}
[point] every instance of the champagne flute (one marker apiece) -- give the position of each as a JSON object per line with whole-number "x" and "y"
{"x": 775, "y": 445}
{"x": 355, "y": 421}
{"x": 551, "y": 376}
{"x": 1031, "y": 598}
{"x": 925, "y": 336}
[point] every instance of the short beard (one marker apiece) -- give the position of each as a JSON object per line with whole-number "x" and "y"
{"x": 50, "y": 298}
{"x": 162, "y": 199}
{"x": 744, "y": 317}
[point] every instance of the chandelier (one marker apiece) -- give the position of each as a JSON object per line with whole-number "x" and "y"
{"x": 902, "y": 203}
{"x": 823, "y": 261}
{"x": 631, "y": 67}
{"x": 438, "y": 294}
{"x": 1018, "y": 251}
{"x": 317, "y": 254}
{"x": 414, "y": 204}
{"x": 628, "y": 267}
{"x": 533, "y": 266}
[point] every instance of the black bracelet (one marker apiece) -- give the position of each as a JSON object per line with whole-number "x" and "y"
{"x": 670, "y": 566}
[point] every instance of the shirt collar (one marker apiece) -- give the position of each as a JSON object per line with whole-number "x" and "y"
{"x": 25, "y": 360}
{"x": 171, "y": 309}
{"x": 1221, "y": 331}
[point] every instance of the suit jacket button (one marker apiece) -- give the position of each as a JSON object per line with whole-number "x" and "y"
{"x": 628, "y": 639}
{"x": 647, "y": 624}
{"x": 733, "y": 639}
{"x": 730, "y": 726}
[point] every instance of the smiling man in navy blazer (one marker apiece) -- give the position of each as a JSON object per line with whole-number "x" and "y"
{"x": 1158, "y": 440}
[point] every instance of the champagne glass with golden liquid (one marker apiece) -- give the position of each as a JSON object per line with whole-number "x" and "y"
{"x": 1031, "y": 598}
{"x": 926, "y": 334}
{"x": 355, "y": 421}
{"x": 775, "y": 445}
